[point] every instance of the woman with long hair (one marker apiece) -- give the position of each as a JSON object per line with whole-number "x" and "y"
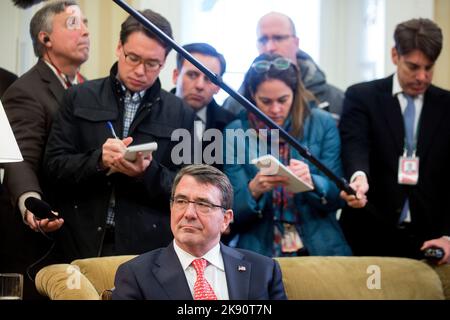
{"x": 269, "y": 218}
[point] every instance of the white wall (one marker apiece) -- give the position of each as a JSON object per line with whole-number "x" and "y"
{"x": 171, "y": 10}
{"x": 340, "y": 54}
{"x": 17, "y": 51}
{"x": 401, "y": 10}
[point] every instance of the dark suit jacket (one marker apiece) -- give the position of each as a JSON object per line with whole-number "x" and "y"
{"x": 372, "y": 133}
{"x": 31, "y": 104}
{"x": 158, "y": 275}
{"x": 217, "y": 117}
{"x": 6, "y": 79}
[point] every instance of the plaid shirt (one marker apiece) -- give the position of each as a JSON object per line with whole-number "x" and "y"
{"x": 131, "y": 105}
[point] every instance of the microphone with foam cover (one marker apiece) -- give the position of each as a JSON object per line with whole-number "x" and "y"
{"x": 24, "y": 4}
{"x": 39, "y": 208}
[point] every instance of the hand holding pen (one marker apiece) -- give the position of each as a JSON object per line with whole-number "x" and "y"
{"x": 114, "y": 148}
{"x": 113, "y": 152}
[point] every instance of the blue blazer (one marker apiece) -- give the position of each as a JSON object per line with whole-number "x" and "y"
{"x": 158, "y": 275}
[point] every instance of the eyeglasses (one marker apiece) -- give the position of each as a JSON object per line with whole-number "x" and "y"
{"x": 134, "y": 60}
{"x": 264, "y": 65}
{"x": 74, "y": 23}
{"x": 203, "y": 207}
{"x": 278, "y": 38}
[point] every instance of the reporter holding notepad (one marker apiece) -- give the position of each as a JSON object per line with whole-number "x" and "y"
{"x": 112, "y": 205}
{"x": 269, "y": 219}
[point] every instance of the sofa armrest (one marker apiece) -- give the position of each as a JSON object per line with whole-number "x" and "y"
{"x": 444, "y": 274}
{"x": 64, "y": 282}
{"x": 101, "y": 271}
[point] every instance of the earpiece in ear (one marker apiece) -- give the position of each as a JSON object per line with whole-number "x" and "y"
{"x": 46, "y": 39}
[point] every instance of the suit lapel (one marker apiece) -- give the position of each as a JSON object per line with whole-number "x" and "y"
{"x": 170, "y": 274}
{"x": 47, "y": 75}
{"x": 237, "y": 272}
{"x": 433, "y": 112}
{"x": 392, "y": 113}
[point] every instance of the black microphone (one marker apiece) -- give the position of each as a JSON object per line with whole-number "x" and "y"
{"x": 39, "y": 208}
{"x": 24, "y": 4}
{"x": 434, "y": 253}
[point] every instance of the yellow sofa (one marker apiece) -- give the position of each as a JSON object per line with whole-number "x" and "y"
{"x": 305, "y": 278}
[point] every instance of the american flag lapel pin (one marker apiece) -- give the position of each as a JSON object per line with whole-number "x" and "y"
{"x": 242, "y": 268}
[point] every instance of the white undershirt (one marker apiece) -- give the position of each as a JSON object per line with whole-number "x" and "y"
{"x": 201, "y": 124}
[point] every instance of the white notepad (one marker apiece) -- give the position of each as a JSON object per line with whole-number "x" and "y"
{"x": 269, "y": 165}
{"x": 145, "y": 148}
{"x": 131, "y": 153}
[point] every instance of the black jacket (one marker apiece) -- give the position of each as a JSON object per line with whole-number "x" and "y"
{"x": 372, "y": 133}
{"x": 82, "y": 192}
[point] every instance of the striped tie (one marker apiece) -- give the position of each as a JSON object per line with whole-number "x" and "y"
{"x": 202, "y": 289}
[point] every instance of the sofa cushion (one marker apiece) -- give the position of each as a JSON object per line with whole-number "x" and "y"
{"x": 358, "y": 278}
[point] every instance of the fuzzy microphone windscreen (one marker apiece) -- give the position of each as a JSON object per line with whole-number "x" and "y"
{"x": 24, "y": 4}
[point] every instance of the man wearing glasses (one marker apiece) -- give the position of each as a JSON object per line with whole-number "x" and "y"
{"x": 276, "y": 34}
{"x": 124, "y": 212}
{"x": 196, "y": 265}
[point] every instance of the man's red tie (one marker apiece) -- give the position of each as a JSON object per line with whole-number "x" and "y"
{"x": 202, "y": 289}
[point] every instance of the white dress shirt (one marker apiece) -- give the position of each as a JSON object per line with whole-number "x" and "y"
{"x": 214, "y": 272}
{"x": 201, "y": 125}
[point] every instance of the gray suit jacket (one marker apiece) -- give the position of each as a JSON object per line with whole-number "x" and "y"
{"x": 158, "y": 275}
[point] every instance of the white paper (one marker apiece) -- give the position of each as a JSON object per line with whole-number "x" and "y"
{"x": 269, "y": 165}
{"x": 9, "y": 150}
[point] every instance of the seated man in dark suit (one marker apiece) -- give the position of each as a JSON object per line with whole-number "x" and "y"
{"x": 196, "y": 265}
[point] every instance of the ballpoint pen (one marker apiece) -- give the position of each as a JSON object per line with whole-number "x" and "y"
{"x": 112, "y": 129}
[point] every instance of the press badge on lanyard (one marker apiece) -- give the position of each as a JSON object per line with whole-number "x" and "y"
{"x": 408, "y": 169}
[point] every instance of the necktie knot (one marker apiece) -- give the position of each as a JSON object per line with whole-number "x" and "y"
{"x": 202, "y": 288}
{"x": 199, "y": 266}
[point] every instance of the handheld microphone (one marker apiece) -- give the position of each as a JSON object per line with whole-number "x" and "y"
{"x": 39, "y": 208}
{"x": 433, "y": 253}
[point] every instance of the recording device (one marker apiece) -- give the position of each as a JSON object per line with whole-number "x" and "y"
{"x": 24, "y": 4}
{"x": 433, "y": 253}
{"x": 39, "y": 208}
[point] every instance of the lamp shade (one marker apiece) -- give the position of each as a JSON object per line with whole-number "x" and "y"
{"x": 9, "y": 150}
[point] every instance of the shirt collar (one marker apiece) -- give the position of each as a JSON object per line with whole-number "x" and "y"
{"x": 213, "y": 256}
{"x": 124, "y": 89}
{"x": 201, "y": 114}
{"x": 63, "y": 78}
{"x": 397, "y": 89}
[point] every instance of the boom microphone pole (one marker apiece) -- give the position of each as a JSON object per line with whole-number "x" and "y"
{"x": 341, "y": 183}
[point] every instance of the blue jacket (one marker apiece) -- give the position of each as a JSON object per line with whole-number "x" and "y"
{"x": 318, "y": 228}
